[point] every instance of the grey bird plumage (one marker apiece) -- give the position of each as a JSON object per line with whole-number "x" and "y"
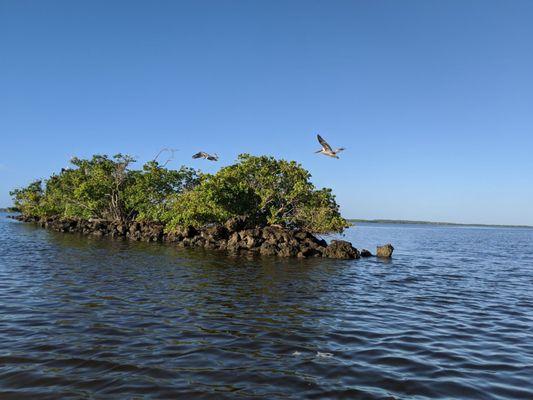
{"x": 206, "y": 156}
{"x": 326, "y": 148}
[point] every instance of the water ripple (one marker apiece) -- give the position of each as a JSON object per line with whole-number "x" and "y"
{"x": 450, "y": 316}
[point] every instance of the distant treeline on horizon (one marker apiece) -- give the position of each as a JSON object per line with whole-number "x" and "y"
{"x": 409, "y": 222}
{"x": 9, "y": 209}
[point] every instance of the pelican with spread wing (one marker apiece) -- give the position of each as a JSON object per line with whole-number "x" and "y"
{"x": 206, "y": 156}
{"x": 326, "y": 148}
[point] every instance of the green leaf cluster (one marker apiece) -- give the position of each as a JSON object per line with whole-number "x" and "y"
{"x": 104, "y": 187}
{"x": 267, "y": 190}
{"x": 152, "y": 191}
{"x": 28, "y": 199}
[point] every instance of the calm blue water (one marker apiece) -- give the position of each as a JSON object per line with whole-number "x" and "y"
{"x": 451, "y": 316}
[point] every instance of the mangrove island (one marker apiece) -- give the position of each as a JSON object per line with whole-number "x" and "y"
{"x": 258, "y": 205}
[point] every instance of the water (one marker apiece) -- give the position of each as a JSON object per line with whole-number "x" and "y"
{"x": 451, "y": 316}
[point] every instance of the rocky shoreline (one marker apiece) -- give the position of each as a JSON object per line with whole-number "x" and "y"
{"x": 236, "y": 236}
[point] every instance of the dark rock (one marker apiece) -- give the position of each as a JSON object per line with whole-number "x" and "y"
{"x": 272, "y": 240}
{"x": 155, "y": 233}
{"x": 250, "y": 242}
{"x": 121, "y": 230}
{"x": 321, "y": 242}
{"x": 341, "y": 249}
{"x": 175, "y": 236}
{"x": 211, "y": 244}
{"x": 187, "y": 231}
{"x": 134, "y": 227}
{"x": 307, "y": 251}
{"x": 302, "y": 235}
{"x": 216, "y": 232}
{"x": 268, "y": 249}
{"x": 365, "y": 253}
{"x": 277, "y": 235}
{"x": 287, "y": 250}
{"x": 233, "y": 241}
{"x": 237, "y": 224}
{"x": 251, "y": 238}
{"x": 255, "y": 233}
{"x": 274, "y": 233}
{"x": 198, "y": 241}
{"x": 385, "y": 251}
{"x": 315, "y": 243}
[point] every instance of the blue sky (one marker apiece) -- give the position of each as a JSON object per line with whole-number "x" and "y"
{"x": 432, "y": 99}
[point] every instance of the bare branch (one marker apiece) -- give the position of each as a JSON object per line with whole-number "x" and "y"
{"x": 170, "y": 158}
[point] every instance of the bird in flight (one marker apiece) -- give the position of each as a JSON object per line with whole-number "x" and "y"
{"x": 326, "y": 148}
{"x": 206, "y": 156}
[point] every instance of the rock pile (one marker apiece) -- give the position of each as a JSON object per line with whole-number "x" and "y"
{"x": 237, "y": 236}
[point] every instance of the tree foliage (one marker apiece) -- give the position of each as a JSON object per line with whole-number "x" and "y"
{"x": 28, "y": 199}
{"x": 151, "y": 192}
{"x": 267, "y": 190}
{"x": 93, "y": 188}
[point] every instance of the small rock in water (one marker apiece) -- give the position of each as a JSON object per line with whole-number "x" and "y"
{"x": 341, "y": 249}
{"x": 365, "y": 253}
{"x": 385, "y": 251}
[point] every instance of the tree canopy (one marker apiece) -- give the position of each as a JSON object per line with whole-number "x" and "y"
{"x": 267, "y": 190}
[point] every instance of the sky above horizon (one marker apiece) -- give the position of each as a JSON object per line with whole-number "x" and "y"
{"x": 432, "y": 99}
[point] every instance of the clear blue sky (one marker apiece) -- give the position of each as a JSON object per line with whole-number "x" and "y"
{"x": 433, "y": 99}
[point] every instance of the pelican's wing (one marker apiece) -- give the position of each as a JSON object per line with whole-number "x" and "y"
{"x": 324, "y": 144}
{"x": 200, "y": 154}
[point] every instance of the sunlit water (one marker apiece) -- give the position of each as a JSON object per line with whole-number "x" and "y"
{"x": 451, "y": 316}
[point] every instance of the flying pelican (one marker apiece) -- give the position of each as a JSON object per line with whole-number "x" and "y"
{"x": 326, "y": 148}
{"x": 206, "y": 156}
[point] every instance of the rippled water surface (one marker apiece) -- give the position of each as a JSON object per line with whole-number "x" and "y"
{"x": 451, "y": 316}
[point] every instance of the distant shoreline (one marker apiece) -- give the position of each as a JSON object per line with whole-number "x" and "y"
{"x": 393, "y": 221}
{"x": 409, "y": 222}
{"x": 8, "y": 209}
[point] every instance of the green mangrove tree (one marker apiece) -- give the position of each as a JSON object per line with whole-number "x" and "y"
{"x": 267, "y": 190}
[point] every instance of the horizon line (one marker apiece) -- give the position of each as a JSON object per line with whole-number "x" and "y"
{"x": 423, "y": 222}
